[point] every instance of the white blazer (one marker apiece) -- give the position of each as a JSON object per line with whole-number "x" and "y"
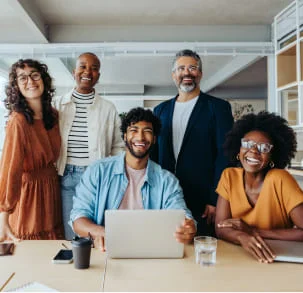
{"x": 104, "y": 135}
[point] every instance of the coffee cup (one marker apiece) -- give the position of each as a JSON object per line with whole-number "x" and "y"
{"x": 81, "y": 252}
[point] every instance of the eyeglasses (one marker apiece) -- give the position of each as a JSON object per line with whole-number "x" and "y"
{"x": 35, "y": 75}
{"x": 262, "y": 147}
{"x": 190, "y": 68}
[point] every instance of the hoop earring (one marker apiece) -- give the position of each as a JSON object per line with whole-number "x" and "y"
{"x": 271, "y": 164}
{"x": 238, "y": 157}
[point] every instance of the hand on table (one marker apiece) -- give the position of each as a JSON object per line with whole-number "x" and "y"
{"x": 257, "y": 247}
{"x": 186, "y": 232}
{"x": 99, "y": 238}
{"x": 250, "y": 240}
{"x": 237, "y": 224}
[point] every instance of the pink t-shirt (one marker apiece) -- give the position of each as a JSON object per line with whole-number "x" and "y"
{"x": 132, "y": 199}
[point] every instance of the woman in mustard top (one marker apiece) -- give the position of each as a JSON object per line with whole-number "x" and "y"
{"x": 259, "y": 199}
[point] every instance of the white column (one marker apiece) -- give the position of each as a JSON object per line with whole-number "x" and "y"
{"x": 272, "y": 96}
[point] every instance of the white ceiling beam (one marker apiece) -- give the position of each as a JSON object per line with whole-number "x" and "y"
{"x": 237, "y": 64}
{"x": 28, "y": 12}
{"x": 137, "y": 49}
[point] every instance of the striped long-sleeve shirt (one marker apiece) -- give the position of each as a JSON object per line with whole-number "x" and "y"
{"x": 77, "y": 146}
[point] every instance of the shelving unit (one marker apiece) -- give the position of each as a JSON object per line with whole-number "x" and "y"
{"x": 288, "y": 40}
{"x": 286, "y": 66}
{"x": 288, "y": 32}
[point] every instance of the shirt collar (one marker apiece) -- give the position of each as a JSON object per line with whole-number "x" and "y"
{"x": 120, "y": 168}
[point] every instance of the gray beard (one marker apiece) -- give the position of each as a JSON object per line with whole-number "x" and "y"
{"x": 187, "y": 88}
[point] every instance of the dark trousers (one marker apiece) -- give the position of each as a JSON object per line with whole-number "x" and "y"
{"x": 203, "y": 229}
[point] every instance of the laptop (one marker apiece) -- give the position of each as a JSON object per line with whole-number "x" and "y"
{"x": 143, "y": 233}
{"x": 287, "y": 251}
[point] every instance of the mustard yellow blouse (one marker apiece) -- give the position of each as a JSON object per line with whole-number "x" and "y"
{"x": 280, "y": 193}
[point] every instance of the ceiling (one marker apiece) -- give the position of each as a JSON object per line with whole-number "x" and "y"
{"x": 136, "y": 41}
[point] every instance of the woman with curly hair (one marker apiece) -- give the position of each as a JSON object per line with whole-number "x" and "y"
{"x": 259, "y": 200}
{"x": 30, "y": 204}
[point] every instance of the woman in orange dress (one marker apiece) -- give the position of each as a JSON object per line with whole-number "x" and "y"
{"x": 259, "y": 200}
{"x": 30, "y": 203}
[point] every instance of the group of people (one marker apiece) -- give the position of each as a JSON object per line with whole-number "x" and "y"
{"x": 229, "y": 178}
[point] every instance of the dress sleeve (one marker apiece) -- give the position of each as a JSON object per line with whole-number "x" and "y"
{"x": 11, "y": 165}
{"x": 292, "y": 194}
{"x": 223, "y": 188}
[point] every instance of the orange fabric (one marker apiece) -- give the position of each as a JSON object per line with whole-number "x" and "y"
{"x": 29, "y": 186}
{"x": 280, "y": 193}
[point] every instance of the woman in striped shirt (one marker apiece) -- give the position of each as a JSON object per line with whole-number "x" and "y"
{"x": 89, "y": 127}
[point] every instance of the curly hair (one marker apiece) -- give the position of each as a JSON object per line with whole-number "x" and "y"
{"x": 139, "y": 114}
{"x": 15, "y": 101}
{"x": 281, "y": 135}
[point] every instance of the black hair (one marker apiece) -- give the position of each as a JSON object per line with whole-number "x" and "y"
{"x": 281, "y": 135}
{"x": 140, "y": 114}
{"x": 89, "y": 53}
{"x": 15, "y": 101}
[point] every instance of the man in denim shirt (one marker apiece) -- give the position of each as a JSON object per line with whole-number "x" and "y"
{"x": 128, "y": 181}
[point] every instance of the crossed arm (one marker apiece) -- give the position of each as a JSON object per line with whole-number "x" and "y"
{"x": 252, "y": 238}
{"x": 84, "y": 226}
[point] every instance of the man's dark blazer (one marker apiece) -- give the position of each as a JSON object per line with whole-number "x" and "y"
{"x": 201, "y": 159}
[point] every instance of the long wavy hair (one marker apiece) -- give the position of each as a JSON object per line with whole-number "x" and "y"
{"x": 16, "y": 102}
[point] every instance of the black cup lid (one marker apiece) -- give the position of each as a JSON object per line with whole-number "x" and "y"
{"x": 81, "y": 241}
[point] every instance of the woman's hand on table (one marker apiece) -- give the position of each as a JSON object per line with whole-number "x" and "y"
{"x": 237, "y": 224}
{"x": 257, "y": 247}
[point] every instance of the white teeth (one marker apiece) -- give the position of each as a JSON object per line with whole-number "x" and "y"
{"x": 86, "y": 78}
{"x": 139, "y": 144}
{"x": 252, "y": 160}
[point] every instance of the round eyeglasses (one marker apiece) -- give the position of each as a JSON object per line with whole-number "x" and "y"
{"x": 190, "y": 68}
{"x": 262, "y": 147}
{"x": 23, "y": 78}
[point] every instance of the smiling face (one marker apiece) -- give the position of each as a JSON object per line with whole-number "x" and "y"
{"x": 252, "y": 160}
{"x": 29, "y": 88}
{"x": 186, "y": 74}
{"x": 139, "y": 138}
{"x": 86, "y": 73}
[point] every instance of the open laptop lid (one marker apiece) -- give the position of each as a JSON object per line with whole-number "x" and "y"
{"x": 143, "y": 233}
{"x": 287, "y": 251}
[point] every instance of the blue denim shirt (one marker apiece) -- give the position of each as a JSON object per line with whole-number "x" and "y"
{"x": 103, "y": 185}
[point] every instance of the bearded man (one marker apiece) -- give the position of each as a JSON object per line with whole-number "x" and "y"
{"x": 128, "y": 181}
{"x": 194, "y": 125}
